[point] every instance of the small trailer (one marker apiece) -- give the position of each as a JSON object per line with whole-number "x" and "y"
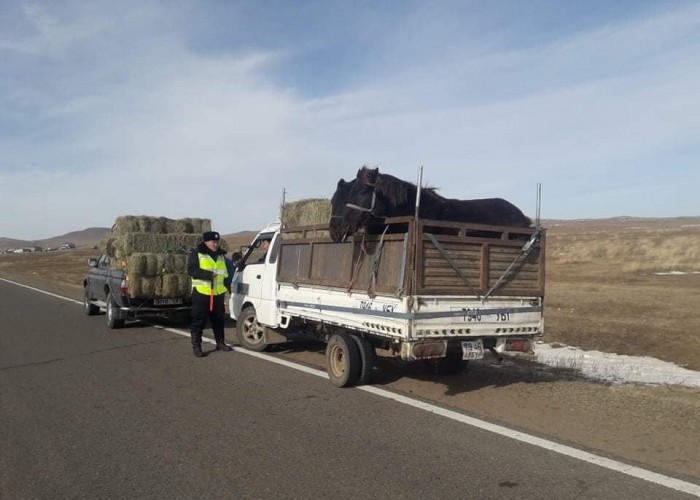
{"x": 423, "y": 290}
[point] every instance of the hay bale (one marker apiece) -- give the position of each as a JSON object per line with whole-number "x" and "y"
{"x": 136, "y": 264}
{"x": 191, "y": 226}
{"x": 172, "y": 263}
{"x": 126, "y": 224}
{"x": 135, "y": 289}
{"x": 148, "y": 286}
{"x": 108, "y": 246}
{"x": 155, "y": 243}
{"x": 176, "y": 285}
{"x": 161, "y": 286}
{"x": 154, "y": 253}
{"x": 155, "y": 264}
{"x": 307, "y": 212}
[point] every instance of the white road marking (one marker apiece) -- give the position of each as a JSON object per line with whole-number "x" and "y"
{"x": 630, "y": 470}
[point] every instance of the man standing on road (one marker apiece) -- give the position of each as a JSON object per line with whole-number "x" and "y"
{"x": 207, "y": 267}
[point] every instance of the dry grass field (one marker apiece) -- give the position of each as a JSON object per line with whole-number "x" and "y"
{"x": 602, "y": 291}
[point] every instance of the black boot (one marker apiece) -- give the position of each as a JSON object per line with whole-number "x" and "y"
{"x": 198, "y": 351}
{"x": 223, "y": 346}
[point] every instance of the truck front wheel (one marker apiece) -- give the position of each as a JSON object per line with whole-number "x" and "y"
{"x": 343, "y": 360}
{"x": 89, "y": 308}
{"x": 251, "y": 334}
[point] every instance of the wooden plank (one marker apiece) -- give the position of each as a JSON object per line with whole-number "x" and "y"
{"x": 319, "y": 261}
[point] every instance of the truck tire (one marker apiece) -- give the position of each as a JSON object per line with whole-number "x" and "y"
{"x": 112, "y": 317}
{"x": 451, "y": 364}
{"x": 251, "y": 334}
{"x": 89, "y": 308}
{"x": 367, "y": 358}
{"x": 343, "y": 360}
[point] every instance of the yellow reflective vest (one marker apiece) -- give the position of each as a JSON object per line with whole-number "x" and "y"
{"x": 208, "y": 264}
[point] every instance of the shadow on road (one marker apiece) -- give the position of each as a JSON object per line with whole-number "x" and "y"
{"x": 388, "y": 370}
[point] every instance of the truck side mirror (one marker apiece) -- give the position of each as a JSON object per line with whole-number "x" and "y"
{"x": 92, "y": 262}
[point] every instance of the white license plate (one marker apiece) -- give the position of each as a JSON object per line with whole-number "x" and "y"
{"x": 472, "y": 349}
{"x": 166, "y": 302}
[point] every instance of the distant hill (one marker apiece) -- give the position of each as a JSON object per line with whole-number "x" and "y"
{"x": 86, "y": 238}
{"x": 92, "y": 236}
{"x": 236, "y": 240}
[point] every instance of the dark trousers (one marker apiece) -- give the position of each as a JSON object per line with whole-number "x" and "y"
{"x": 200, "y": 314}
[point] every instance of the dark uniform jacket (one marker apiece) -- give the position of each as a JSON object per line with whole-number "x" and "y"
{"x": 193, "y": 268}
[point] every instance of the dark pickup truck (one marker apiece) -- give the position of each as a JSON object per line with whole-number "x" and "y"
{"x": 106, "y": 289}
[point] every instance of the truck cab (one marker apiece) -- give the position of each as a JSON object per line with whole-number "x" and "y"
{"x": 255, "y": 281}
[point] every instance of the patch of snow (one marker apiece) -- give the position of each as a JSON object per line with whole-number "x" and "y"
{"x": 616, "y": 368}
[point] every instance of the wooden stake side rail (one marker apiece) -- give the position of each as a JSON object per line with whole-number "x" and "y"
{"x": 410, "y": 264}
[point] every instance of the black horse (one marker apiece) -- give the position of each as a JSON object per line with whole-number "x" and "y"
{"x": 364, "y": 203}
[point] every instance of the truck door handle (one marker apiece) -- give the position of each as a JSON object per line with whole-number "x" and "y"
{"x": 258, "y": 276}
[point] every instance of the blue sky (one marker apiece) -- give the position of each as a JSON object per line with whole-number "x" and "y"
{"x": 212, "y": 108}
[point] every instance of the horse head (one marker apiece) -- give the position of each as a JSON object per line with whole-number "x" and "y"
{"x": 355, "y": 205}
{"x": 338, "y": 227}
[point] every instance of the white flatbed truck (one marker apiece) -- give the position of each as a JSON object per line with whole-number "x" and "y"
{"x": 436, "y": 290}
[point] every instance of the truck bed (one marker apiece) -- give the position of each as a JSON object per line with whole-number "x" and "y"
{"x": 427, "y": 258}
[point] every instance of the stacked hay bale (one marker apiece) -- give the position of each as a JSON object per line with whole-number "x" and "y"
{"x": 308, "y": 212}
{"x": 154, "y": 252}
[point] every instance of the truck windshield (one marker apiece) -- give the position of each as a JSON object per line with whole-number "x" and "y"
{"x": 259, "y": 250}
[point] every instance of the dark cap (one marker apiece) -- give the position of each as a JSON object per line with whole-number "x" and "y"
{"x": 210, "y": 236}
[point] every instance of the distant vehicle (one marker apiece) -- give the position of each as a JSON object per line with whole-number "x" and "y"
{"x": 106, "y": 289}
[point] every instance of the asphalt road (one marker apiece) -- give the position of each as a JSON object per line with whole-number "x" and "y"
{"x": 88, "y": 412}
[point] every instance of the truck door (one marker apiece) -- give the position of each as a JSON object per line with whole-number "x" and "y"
{"x": 257, "y": 282}
{"x": 100, "y": 275}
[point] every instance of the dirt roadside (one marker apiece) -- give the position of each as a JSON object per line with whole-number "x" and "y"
{"x": 652, "y": 427}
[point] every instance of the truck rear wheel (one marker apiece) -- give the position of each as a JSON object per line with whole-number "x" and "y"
{"x": 343, "y": 360}
{"x": 89, "y": 308}
{"x": 451, "y": 364}
{"x": 112, "y": 318}
{"x": 251, "y": 334}
{"x": 366, "y": 358}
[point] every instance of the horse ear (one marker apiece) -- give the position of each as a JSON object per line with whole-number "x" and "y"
{"x": 341, "y": 183}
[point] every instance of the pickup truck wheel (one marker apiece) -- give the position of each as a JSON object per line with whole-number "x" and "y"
{"x": 367, "y": 357}
{"x": 112, "y": 317}
{"x": 251, "y": 334}
{"x": 89, "y": 308}
{"x": 343, "y": 360}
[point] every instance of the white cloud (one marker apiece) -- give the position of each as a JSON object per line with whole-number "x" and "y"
{"x": 134, "y": 121}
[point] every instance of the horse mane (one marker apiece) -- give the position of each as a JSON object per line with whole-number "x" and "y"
{"x": 392, "y": 188}
{"x": 397, "y": 190}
